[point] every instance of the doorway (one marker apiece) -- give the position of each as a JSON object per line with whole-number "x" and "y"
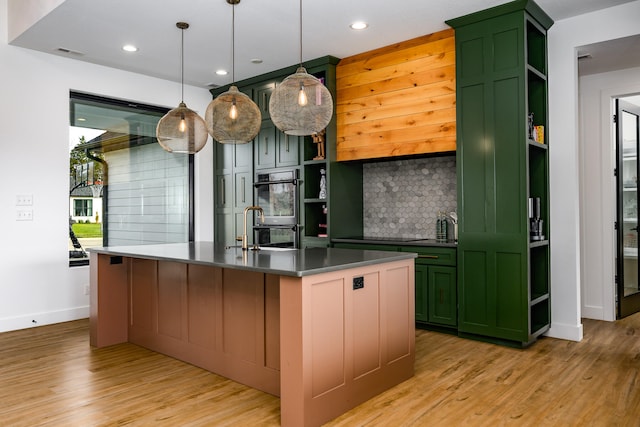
{"x": 627, "y": 125}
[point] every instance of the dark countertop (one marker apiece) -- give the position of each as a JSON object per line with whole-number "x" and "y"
{"x": 396, "y": 241}
{"x": 287, "y": 262}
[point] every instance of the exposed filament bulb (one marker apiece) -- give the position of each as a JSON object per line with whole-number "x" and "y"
{"x": 302, "y": 97}
{"x": 233, "y": 112}
{"x": 183, "y": 124}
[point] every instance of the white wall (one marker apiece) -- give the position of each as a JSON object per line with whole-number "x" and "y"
{"x": 597, "y": 192}
{"x": 564, "y": 37}
{"x": 36, "y": 283}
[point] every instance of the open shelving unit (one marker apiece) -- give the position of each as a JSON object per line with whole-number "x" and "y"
{"x": 538, "y": 184}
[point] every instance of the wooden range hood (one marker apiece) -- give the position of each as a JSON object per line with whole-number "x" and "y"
{"x": 399, "y": 100}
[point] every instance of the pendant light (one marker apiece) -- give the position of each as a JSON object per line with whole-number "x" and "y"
{"x": 182, "y": 130}
{"x": 301, "y": 104}
{"x": 232, "y": 117}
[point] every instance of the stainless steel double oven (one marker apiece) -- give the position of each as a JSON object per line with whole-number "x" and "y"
{"x": 277, "y": 194}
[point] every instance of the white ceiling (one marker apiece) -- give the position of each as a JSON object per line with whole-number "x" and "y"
{"x": 95, "y": 30}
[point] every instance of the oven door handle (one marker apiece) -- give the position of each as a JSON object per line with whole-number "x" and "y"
{"x": 286, "y": 181}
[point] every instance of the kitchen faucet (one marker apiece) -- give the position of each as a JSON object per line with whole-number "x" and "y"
{"x": 245, "y": 245}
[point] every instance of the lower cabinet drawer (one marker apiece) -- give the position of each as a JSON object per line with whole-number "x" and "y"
{"x": 435, "y": 255}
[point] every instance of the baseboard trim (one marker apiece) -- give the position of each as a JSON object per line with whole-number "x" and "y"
{"x": 40, "y": 319}
{"x": 565, "y": 332}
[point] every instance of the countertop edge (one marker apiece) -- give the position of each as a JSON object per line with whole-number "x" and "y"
{"x": 377, "y": 257}
{"x": 373, "y": 241}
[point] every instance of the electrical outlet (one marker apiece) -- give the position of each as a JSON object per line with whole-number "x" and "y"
{"x": 86, "y": 289}
{"x": 24, "y": 200}
{"x": 358, "y": 283}
{"x": 24, "y": 214}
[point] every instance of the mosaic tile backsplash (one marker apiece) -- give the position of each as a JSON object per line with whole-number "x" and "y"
{"x": 402, "y": 198}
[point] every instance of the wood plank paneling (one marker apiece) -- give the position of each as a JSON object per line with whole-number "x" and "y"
{"x": 397, "y": 100}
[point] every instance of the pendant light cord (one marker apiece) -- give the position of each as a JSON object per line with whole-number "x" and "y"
{"x": 301, "y": 33}
{"x": 233, "y": 43}
{"x": 182, "y": 65}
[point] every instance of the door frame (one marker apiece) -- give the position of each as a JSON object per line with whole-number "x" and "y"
{"x": 625, "y": 306}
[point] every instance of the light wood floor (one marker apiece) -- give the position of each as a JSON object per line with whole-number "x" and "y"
{"x": 50, "y": 376}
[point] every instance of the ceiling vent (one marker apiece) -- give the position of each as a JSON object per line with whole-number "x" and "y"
{"x": 69, "y": 51}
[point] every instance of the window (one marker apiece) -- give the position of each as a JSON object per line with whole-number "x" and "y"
{"x": 124, "y": 188}
{"x": 83, "y": 207}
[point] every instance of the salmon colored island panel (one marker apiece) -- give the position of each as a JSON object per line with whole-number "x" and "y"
{"x": 340, "y": 345}
{"x": 320, "y": 344}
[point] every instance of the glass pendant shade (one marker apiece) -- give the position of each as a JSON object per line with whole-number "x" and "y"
{"x": 233, "y": 118}
{"x": 182, "y": 130}
{"x": 301, "y": 104}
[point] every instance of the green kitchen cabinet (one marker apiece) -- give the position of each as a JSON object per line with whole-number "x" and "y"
{"x": 232, "y": 191}
{"x": 503, "y": 266}
{"x": 442, "y": 296}
{"x": 338, "y": 214}
{"x": 275, "y": 149}
{"x": 436, "y": 288}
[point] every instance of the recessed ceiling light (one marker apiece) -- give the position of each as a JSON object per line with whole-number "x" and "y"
{"x": 256, "y": 61}
{"x": 129, "y": 48}
{"x": 358, "y": 25}
{"x": 222, "y": 72}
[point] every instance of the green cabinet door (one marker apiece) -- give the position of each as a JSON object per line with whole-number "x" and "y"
{"x": 275, "y": 149}
{"x": 287, "y": 150}
{"x": 265, "y": 146}
{"x": 442, "y": 296}
{"x": 261, "y": 96}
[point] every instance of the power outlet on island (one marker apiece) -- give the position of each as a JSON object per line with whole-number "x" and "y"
{"x": 358, "y": 283}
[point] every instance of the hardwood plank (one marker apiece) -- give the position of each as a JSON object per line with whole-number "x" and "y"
{"x": 371, "y": 59}
{"x": 440, "y": 74}
{"x": 403, "y": 67}
{"x": 50, "y": 376}
{"x": 440, "y": 109}
{"x": 409, "y": 95}
{"x": 404, "y": 148}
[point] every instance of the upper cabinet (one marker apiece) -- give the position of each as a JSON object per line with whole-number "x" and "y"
{"x": 330, "y": 192}
{"x": 398, "y": 100}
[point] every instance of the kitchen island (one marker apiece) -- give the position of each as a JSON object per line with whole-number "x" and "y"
{"x": 323, "y": 328}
